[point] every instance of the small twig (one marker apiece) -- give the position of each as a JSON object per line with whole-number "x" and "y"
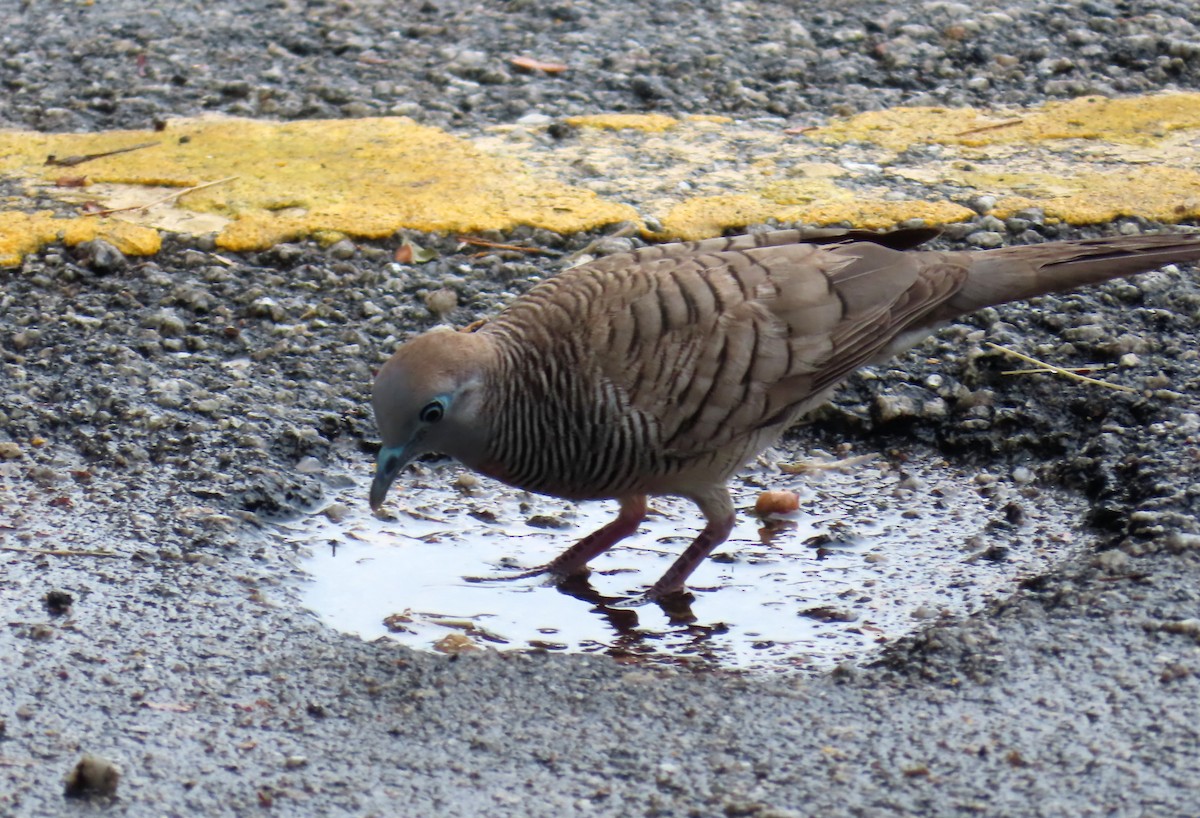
{"x": 799, "y": 129}
{"x": 995, "y": 126}
{"x": 826, "y": 465}
{"x": 1058, "y": 370}
{"x": 57, "y": 552}
{"x": 495, "y": 245}
{"x": 163, "y": 200}
{"x": 72, "y": 161}
{"x": 1044, "y": 371}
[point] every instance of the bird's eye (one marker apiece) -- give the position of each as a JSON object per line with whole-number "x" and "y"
{"x": 432, "y": 412}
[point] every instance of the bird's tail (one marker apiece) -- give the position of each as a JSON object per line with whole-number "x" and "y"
{"x": 1018, "y": 273}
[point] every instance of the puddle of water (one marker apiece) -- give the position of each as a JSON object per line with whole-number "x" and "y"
{"x": 873, "y": 554}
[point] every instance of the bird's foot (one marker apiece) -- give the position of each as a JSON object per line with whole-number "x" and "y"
{"x": 553, "y": 575}
{"x": 676, "y": 604}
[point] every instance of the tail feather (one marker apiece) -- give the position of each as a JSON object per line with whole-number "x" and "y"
{"x": 1017, "y": 273}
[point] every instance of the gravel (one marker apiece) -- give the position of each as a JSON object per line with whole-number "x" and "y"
{"x": 122, "y": 65}
{"x": 157, "y": 413}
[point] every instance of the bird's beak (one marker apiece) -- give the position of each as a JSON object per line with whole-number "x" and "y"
{"x": 387, "y": 466}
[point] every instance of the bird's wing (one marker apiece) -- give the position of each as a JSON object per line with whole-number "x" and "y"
{"x": 712, "y": 346}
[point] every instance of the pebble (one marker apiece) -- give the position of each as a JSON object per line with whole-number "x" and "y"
{"x": 168, "y": 323}
{"x": 776, "y": 502}
{"x": 342, "y": 250}
{"x": 934, "y": 408}
{"x": 547, "y": 521}
{"x": 310, "y": 465}
{"x": 24, "y": 339}
{"x": 991, "y": 224}
{"x": 983, "y": 204}
{"x": 888, "y": 408}
{"x": 101, "y": 256}
{"x": 208, "y": 406}
{"x": 1022, "y": 476}
{"x": 609, "y": 245}
{"x": 442, "y": 301}
{"x": 1112, "y": 561}
{"x": 92, "y": 775}
{"x": 985, "y": 239}
{"x": 466, "y": 481}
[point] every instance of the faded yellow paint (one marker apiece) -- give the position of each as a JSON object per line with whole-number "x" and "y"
{"x": 1162, "y": 194}
{"x": 1131, "y": 120}
{"x": 23, "y": 233}
{"x": 364, "y": 178}
{"x": 715, "y": 119}
{"x": 876, "y": 214}
{"x": 1082, "y": 161}
{"x": 649, "y": 123}
{"x": 130, "y": 239}
{"x": 700, "y": 218}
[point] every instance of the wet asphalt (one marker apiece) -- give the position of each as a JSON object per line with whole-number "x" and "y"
{"x": 154, "y": 415}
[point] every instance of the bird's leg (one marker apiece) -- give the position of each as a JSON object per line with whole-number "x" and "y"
{"x": 717, "y": 506}
{"x": 574, "y": 560}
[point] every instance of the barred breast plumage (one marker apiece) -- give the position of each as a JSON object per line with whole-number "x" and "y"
{"x": 664, "y": 370}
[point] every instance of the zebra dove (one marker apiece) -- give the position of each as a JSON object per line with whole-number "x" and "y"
{"x": 664, "y": 370}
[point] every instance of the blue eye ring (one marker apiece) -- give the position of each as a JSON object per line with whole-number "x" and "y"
{"x": 432, "y": 412}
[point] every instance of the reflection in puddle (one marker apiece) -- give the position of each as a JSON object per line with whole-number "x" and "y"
{"x": 873, "y": 553}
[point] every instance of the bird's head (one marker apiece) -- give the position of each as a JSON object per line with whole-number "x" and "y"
{"x": 429, "y": 397}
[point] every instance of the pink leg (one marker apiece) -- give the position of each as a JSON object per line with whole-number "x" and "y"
{"x": 575, "y": 559}
{"x": 717, "y": 506}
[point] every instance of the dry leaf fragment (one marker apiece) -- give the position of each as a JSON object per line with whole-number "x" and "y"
{"x": 530, "y": 64}
{"x": 455, "y": 643}
{"x": 411, "y": 253}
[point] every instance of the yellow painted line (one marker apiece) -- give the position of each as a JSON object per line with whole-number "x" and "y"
{"x": 649, "y": 123}
{"x": 1141, "y": 120}
{"x": 365, "y": 178}
{"x": 1087, "y": 160}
